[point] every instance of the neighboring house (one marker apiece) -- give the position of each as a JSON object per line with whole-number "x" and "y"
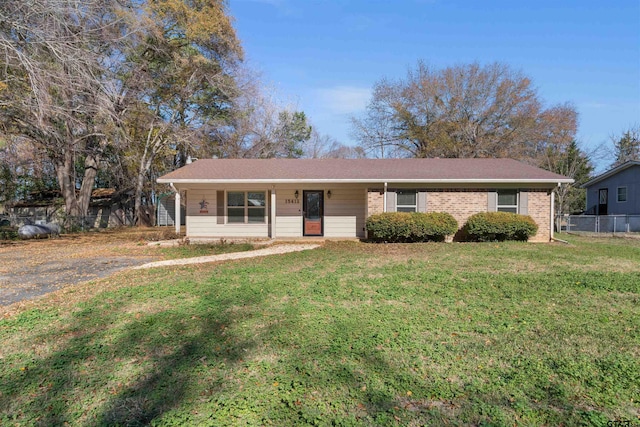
{"x": 166, "y": 210}
{"x": 615, "y": 192}
{"x": 107, "y": 208}
{"x": 331, "y": 198}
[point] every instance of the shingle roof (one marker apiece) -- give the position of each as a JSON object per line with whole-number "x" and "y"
{"x": 360, "y": 170}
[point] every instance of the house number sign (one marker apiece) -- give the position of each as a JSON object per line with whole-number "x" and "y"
{"x": 291, "y": 201}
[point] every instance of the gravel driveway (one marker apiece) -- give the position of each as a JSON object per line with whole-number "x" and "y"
{"x": 32, "y": 268}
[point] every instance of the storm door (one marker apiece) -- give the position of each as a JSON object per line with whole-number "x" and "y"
{"x": 312, "y": 212}
{"x": 603, "y": 197}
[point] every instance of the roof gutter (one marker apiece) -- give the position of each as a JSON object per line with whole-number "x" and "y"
{"x": 361, "y": 181}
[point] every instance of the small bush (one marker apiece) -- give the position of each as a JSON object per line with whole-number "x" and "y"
{"x": 407, "y": 227}
{"x": 8, "y": 233}
{"x": 492, "y": 226}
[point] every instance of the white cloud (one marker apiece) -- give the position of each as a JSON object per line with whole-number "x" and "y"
{"x": 344, "y": 99}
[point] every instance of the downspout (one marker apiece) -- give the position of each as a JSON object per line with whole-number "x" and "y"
{"x": 384, "y": 198}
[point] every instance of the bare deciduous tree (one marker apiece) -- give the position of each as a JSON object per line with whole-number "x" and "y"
{"x": 81, "y": 75}
{"x": 322, "y": 146}
{"x": 54, "y": 90}
{"x": 462, "y": 111}
{"x": 25, "y": 170}
{"x": 259, "y": 125}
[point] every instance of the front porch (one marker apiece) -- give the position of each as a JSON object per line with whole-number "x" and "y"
{"x": 274, "y": 211}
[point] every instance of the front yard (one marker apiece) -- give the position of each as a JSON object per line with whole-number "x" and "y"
{"x": 495, "y": 334}
{"x": 32, "y": 268}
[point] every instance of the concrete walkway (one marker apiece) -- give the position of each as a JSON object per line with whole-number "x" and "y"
{"x": 272, "y": 250}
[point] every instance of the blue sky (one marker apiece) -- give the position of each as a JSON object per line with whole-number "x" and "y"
{"x": 324, "y": 56}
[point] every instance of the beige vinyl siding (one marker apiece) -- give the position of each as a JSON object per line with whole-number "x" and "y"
{"x": 206, "y": 224}
{"x": 208, "y": 227}
{"x": 202, "y": 224}
{"x": 194, "y": 197}
{"x": 344, "y": 212}
{"x": 288, "y": 215}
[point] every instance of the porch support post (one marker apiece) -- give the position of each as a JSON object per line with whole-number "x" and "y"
{"x": 552, "y": 214}
{"x": 273, "y": 212}
{"x": 384, "y": 198}
{"x": 366, "y": 211}
{"x": 178, "y": 215}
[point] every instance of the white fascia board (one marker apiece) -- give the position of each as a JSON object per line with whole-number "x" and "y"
{"x": 364, "y": 181}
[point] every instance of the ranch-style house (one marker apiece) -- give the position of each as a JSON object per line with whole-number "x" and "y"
{"x": 331, "y": 198}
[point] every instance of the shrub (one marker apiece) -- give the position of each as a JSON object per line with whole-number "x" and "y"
{"x": 410, "y": 227}
{"x": 491, "y": 226}
{"x": 8, "y": 233}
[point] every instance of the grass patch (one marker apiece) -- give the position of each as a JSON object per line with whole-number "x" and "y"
{"x": 492, "y": 334}
{"x": 195, "y": 250}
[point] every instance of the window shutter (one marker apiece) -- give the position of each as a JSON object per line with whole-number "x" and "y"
{"x": 422, "y": 201}
{"x": 492, "y": 201}
{"x": 391, "y": 201}
{"x": 523, "y": 204}
{"x": 220, "y": 206}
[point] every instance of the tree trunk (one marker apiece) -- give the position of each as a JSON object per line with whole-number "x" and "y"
{"x": 91, "y": 163}
{"x": 137, "y": 209}
{"x": 76, "y": 205}
{"x": 64, "y": 172}
{"x": 142, "y": 217}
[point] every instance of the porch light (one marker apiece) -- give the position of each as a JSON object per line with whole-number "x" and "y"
{"x": 329, "y": 194}
{"x": 296, "y": 194}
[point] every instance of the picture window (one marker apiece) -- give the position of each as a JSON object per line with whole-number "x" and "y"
{"x": 246, "y": 207}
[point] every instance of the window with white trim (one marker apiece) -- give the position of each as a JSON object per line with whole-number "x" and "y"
{"x": 406, "y": 201}
{"x": 622, "y": 194}
{"x": 246, "y": 207}
{"x": 507, "y": 201}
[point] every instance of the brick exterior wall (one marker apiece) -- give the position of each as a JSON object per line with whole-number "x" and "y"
{"x": 464, "y": 203}
{"x": 376, "y": 202}
{"x": 539, "y": 210}
{"x": 460, "y": 204}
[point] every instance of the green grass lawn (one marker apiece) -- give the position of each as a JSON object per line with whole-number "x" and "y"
{"x": 187, "y": 251}
{"x": 491, "y": 334}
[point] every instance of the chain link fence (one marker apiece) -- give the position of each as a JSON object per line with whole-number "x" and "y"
{"x": 599, "y": 223}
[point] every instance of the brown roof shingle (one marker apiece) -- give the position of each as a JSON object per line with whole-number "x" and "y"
{"x": 360, "y": 170}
